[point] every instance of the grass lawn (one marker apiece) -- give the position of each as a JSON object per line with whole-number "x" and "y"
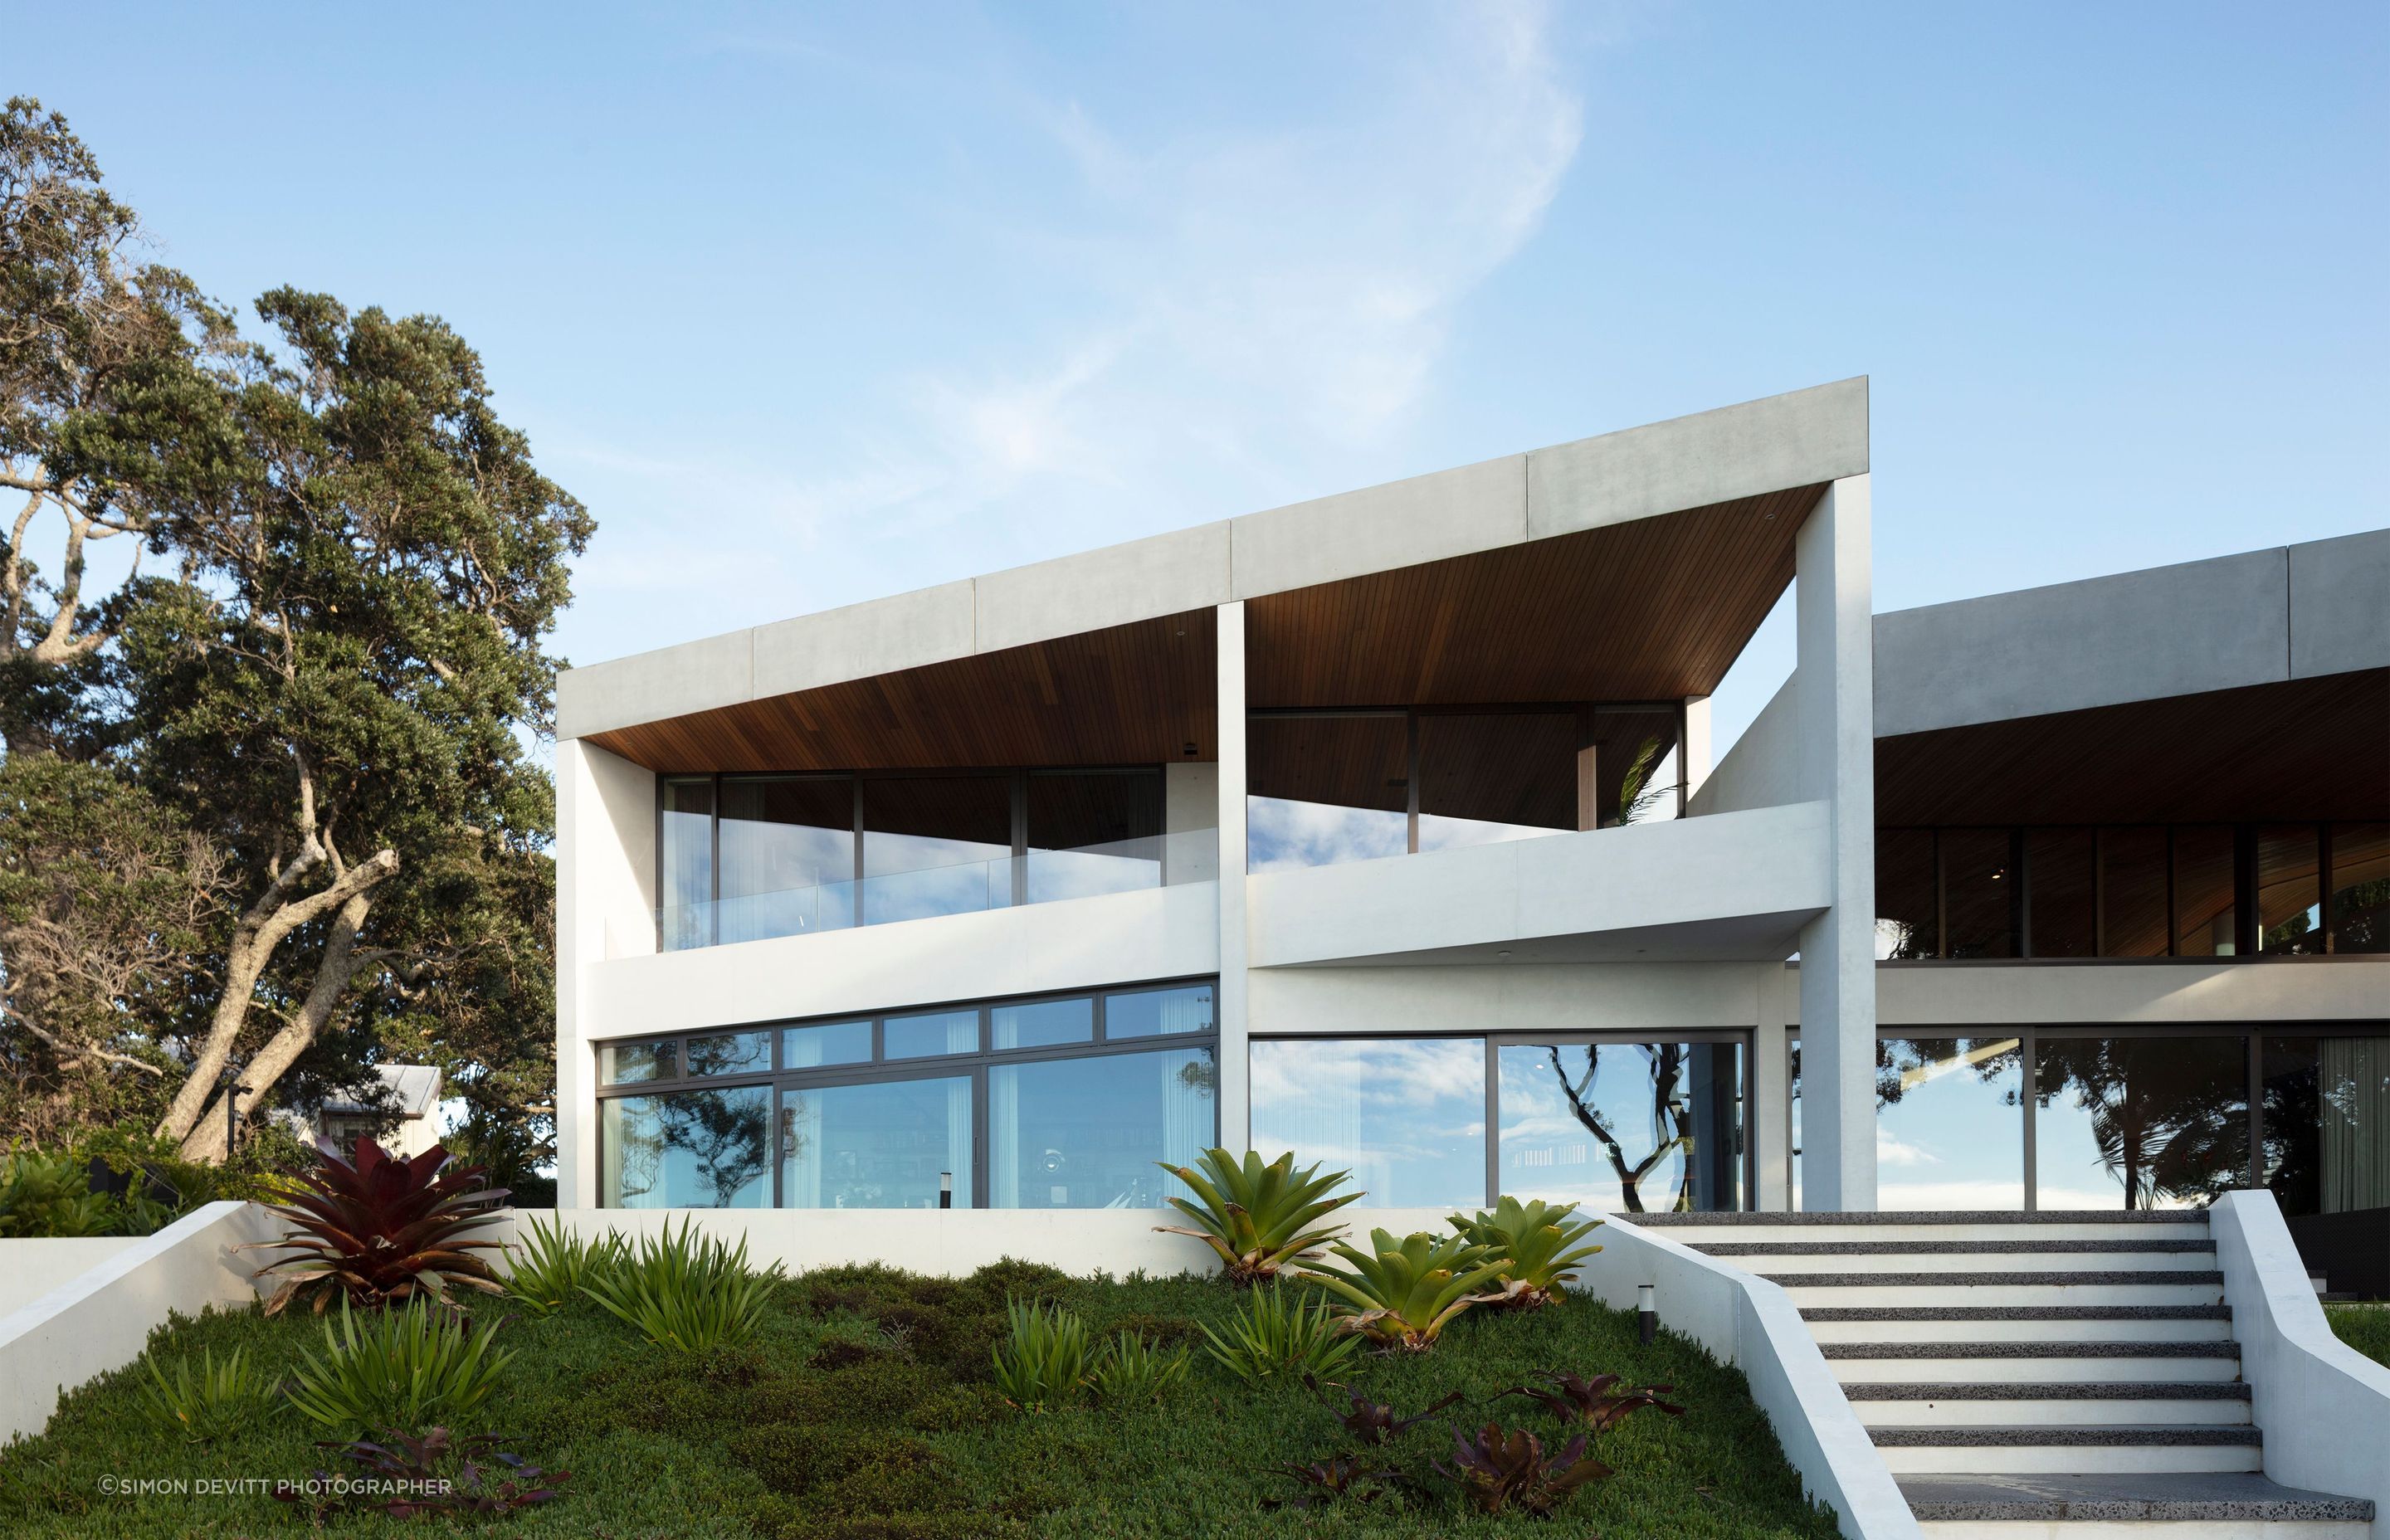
{"x": 864, "y": 1411}
{"x": 2365, "y": 1327}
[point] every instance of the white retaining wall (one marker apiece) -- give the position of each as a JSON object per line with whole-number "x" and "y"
{"x": 30, "y": 1266}
{"x": 101, "y": 1318}
{"x": 2325, "y": 1407}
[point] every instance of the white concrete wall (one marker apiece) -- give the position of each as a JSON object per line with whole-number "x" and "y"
{"x": 1801, "y": 438}
{"x": 2324, "y": 1406}
{"x": 1527, "y": 997}
{"x": 1763, "y": 769}
{"x": 1234, "y": 891}
{"x": 1836, "y": 750}
{"x": 605, "y": 904}
{"x": 32, "y": 1266}
{"x": 1678, "y": 873}
{"x": 100, "y": 1318}
{"x": 1190, "y": 822}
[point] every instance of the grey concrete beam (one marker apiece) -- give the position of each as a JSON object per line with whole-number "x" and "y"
{"x": 1472, "y": 507}
{"x": 1167, "y": 574}
{"x": 928, "y": 625}
{"x": 1798, "y": 439}
{"x": 650, "y": 686}
{"x": 2340, "y": 605}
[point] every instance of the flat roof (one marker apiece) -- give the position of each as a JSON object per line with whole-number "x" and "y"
{"x": 1735, "y": 455}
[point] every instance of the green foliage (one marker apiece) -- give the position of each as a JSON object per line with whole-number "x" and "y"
{"x": 1497, "y": 1472}
{"x": 1596, "y": 1403}
{"x": 1257, "y": 1218}
{"x": 435, "y": 1475}
{"x": 685, "y": 1292}
{"x": 1403, "y": 1293}
{"x": 217, "y": 1399}
{"x": 382, "y": 1230}
{"x": 1338, "y": 1479}
{"x": 1044, "y": 1359}
{"x": 2365, "y": 1327}
{"x": 1367, "y": 1422}
{"x": 50, "y": 1195}
{"x": 547, "y": 1266}
{"x": 1538, "y": 1246}
{"x": 1129, "y": 1371}
{"x": 1277, "y": 1333}
{"x": 407, "y": 1368}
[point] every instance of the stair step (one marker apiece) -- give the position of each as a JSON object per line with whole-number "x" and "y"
{"x": 1942, "y": 1218}
{"x": 2087, "y": 1449}
{"x": 2027, "y": 1363}
{"x": 1950, "y": 1507}
{"x": 2076, "y": 1229}
{"x": 1997, "y": 1289}
{"x": 1968, "y": 1245}
{"x": 2194, "y": 1323}
{"x": 1996, "y": 1259}
{"x": 2045, "y": 1403}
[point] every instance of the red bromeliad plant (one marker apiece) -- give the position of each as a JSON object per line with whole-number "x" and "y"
{"x": 383, "y": 1229}
{"x": 1596, "y": 1403}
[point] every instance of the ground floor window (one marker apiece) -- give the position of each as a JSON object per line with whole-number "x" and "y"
{"x": 1613, "y": 1123}
{"x": 2073, "y": 1117}
{"x": 1053, "y": 1101}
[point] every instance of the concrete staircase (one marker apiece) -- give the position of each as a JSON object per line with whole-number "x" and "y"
{"x": 2035, "y": 1375}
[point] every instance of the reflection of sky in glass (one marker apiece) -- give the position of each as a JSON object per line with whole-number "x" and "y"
{"x": 1437, "y": 832}
{"x": 696, "y": 1149}
{"x": 1041, "y": 1023}
{"x": 933, "y": 1032}
{"x": 877, "y": 1147}
{"x": 1407, "y": 1116}
{"x": 826, "y": 1043}
{"x": 1549, "y": 1152}
{"x": 1280, "y": 834}
{"x": 1122, "y": 866}
{"x": 1954, "y": 1140}
{"x": 1087, "y": 1132}
{"x": 898, "y": 892}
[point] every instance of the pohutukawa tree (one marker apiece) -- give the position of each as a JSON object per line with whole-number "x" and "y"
{"x": 328, "y": 673}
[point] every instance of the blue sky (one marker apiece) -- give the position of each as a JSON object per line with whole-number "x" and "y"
{"x": 814, "y": 305}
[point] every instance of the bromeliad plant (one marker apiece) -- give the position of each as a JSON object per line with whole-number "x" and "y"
{"x": 1540, "y": 1245}
{"x": 404, "y": 1369}
{"x": 1368, "y": 1421}
{"x": 1596, "y": 1402}
{"x": 546, "y": 1268}
{"x": 209, "y": 1404}
{"x": 1498, "y": 1470}
{"x": 1402, "y": 1294}
{"x": 1259, "y": 1218}
{"x": 1129, "y": 1370}
{"x": 382, "y": 1230}
{"x": 1271, "y": 1336}
{"x": 1044, "y": 1358}
{"x": 435, "y": 1475}
{"x": 684, "y": 1293}
{"x": 1338, "y": 1479}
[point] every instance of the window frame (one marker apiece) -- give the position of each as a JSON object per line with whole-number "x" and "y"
{"x": 781, "y": 1077}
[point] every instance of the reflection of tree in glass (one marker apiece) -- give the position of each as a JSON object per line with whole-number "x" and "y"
{"x": 1671, "y": 1125}
{"x": 1200, "y": 1075}
{"x": 2167, "y": 1120}
{"x": 725, "y": 1131}
{"x": 642, "y": 1153}
{"x": 1902, "y": 1064}
{"x": 2362, "y": 916}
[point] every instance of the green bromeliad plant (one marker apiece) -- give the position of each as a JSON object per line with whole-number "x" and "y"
{"x": 688, "y": 1292}
{"x": 1043, "y": 1357}
{"x": 407, "y": 1368}
{"x": 548, "y": 1266}
{"x": 1259, "y": 1218}
{"x": 206, "y": 1401}
{"x": 1276, "y": 1332}
{"x": 1540, "y": 1245}
{"x": 1403, "y": 1293}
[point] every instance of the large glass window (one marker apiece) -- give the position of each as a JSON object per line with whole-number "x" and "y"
{"x": 2205, "y": 918}
{"x": 685, "y": 863}
{"x": 892, "y": 1143}
{"x": 936, "y": 845}
{"x": 2139, "y": 1123}
{"x": 626, "y": 1063}
{"x": 1323, "y": 790}
{"x": 2360, "y": 887}
{"x": 1044, "y": 1023}
{"x": 686, "y": 1150}
{"x": 1407, "y": 1116}
{"x": 826, "y": 1042}
{"x": 935, "y": 1031}
{"x": 2326, "y": 1118}
{"x": 1484, "y": 778}
{"x": 1092, "y": 833}
{"x": 1980, "y": 894}
{"x": 2062, "y": 915}
{"x": 732, "y": 1053}
{"x": 1950, "y": 1125}
{"x": 788, "y": 856}
{"x": 2133, "y": 891}
{"x": 1086, "y": 1132}
{"x": 1633, "y": 1127}
{"x": 2289, "y": 889}
{"x": 1907, "y": 922}
{"x": 1157, "y": 1012}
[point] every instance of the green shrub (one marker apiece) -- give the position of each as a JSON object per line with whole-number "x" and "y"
{"x": 547, "y": 1266}
{"x": 1403, "y": 1293}
{"x": 1044, "y": 1358}
{"x": 1275, "y": 1335}
{"x": 1539, "y": 1247}
{"x": 1257, "y": 1218}
{"x": 2365, "y": 1327}
{"x": 1129, "y": 1371}
{"x": 684, "y": 1293}
{"x": 410, "y": 1368}
{"x": 217, "y": 1399}
{"x": 50, "y": 1195}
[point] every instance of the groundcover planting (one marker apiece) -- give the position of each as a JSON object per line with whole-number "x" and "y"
{"x": 865, "y": 1407}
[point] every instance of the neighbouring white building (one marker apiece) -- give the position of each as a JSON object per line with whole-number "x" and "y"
{"x": 1384, "y": 829}
{"x": 404, "y": 1115}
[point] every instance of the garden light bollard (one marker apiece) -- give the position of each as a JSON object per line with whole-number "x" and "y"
{"x": 946, "y": 1190}
{"x": 1647, "y": 1312}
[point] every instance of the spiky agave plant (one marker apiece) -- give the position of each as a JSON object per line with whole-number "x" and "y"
{"x": 1403, "y": 1293}
{"x": 1538, "y": 1242}
{"x": 382, "y": 1229}
{"x": 1259, "y": 1218}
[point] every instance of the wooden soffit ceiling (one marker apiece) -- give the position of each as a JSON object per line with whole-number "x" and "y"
{"x": 1136, "y": 694}
{"x": 1651, "y": 609}
{"x": 2305, "y": 748}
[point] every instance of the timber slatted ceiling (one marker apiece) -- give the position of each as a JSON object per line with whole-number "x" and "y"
{"x": 1652, "y": 610}
{"x": 2301, "y": 750}
{"x": 1132, "y": 694}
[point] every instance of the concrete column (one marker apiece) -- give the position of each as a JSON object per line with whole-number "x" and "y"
{"x": 1694, "y": 752}
{"x": 1770, "y": 1132}
{"x": 1235, "y": 1098}
{"x": 605, "y": 898}
{"x": 1835, "y": 683}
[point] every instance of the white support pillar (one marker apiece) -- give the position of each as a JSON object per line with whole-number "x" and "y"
{"x": 1834, "y": 682}
{"x": 1235, "y": 1096}
{"x": 605, "y": 897}
{"x": 1771, "y": 1093}
{"x": 1694, "y": 753}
